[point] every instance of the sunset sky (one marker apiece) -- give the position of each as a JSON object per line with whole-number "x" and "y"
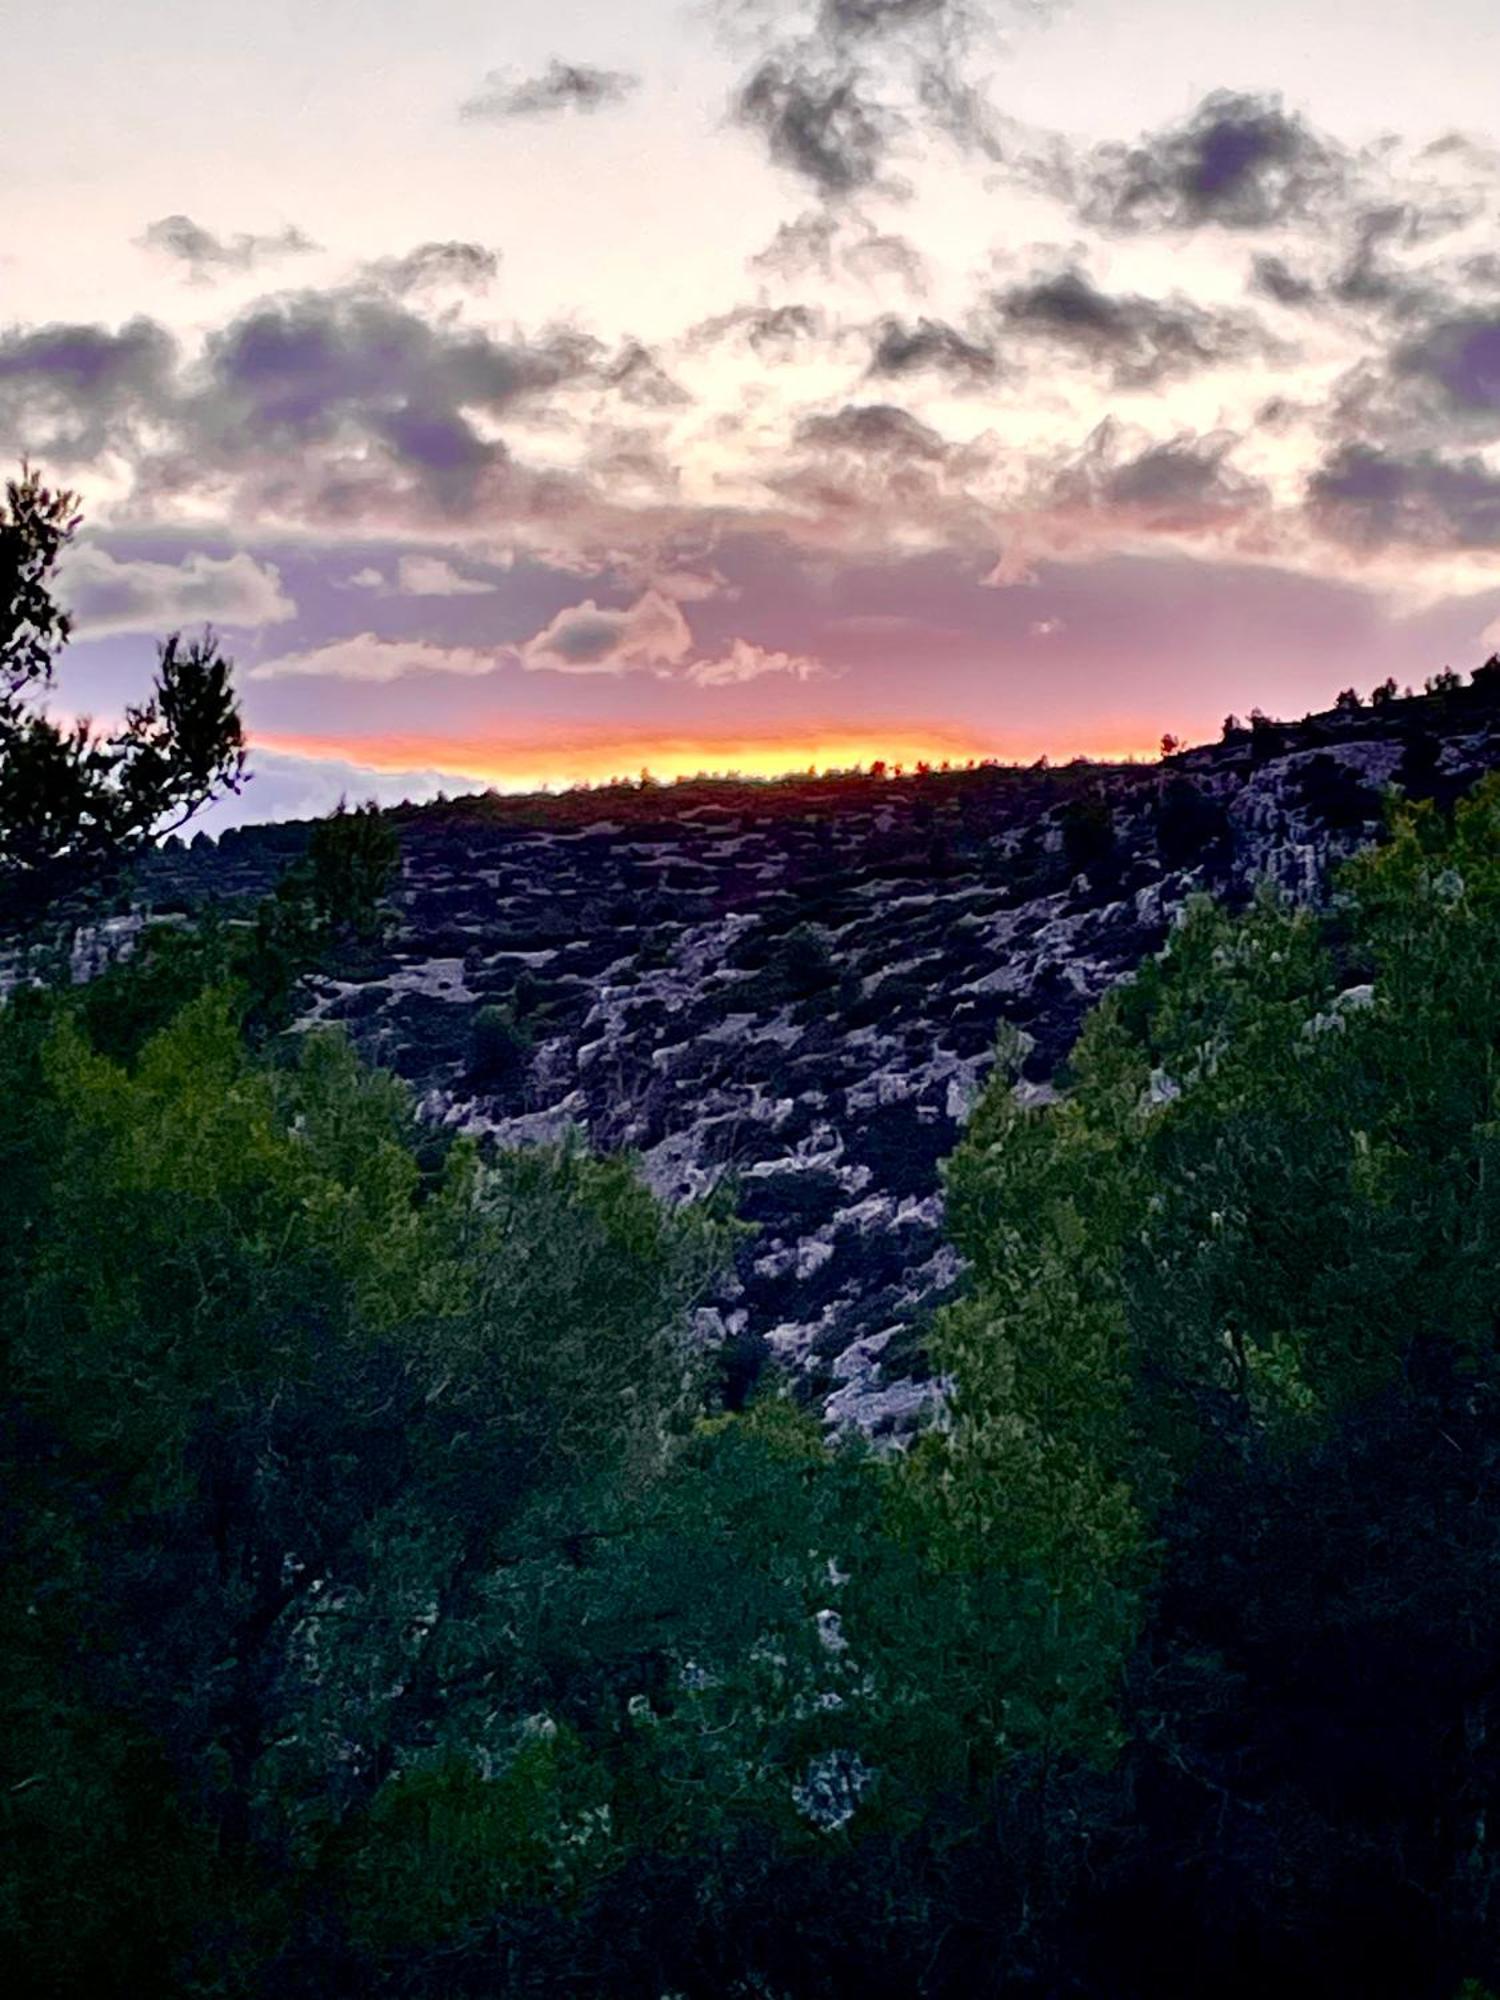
{"x": 540, "y": 389}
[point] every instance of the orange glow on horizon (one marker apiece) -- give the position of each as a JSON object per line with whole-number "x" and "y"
{"x": 530, "y": 764}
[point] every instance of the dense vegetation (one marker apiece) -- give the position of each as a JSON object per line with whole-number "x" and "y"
{"x": 387, "y": 1608}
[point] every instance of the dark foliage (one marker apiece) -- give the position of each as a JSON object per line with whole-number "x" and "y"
{"x": 1088, "y": 833}
{"x": 75, "y": 803}
{"x": 1338, "y": 796}
{"x": 500, "y": 1048}
{"x": 1192, "y": 827}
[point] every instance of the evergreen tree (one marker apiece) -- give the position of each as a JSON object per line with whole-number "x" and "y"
{"x": 74, "y": 802}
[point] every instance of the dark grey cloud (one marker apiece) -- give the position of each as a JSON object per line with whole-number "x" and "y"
{"x": 207, "y": 255}
{"x": 1141, "y": 341}
{"x": 434, "y": 440}
{"x": 1359, "y": 262}
{"x": 820, "y": 122}
{"x": 872, "y": 430}
{"x": 1428, "y": 383}
{"x": 304, "y": 365}
{"x": 905, "y": 347}
{"x": 1435, "y": 387}
{"x": 471, "y": 267}
{"x": 1240, "y": 162}
{"x": 1459, "y": 360}
{"x": 1372, "y": 498}
{"x": 73, "y": 391}
{"x": 335, "y": 406}
{"x": 1181, "y": 484}
{"x": 560, "y": 87}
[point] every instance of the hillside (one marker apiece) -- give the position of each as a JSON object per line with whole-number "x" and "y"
{"x": 801, "y": 983}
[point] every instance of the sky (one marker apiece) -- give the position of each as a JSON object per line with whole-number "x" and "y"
{"x": 541, "y": 390}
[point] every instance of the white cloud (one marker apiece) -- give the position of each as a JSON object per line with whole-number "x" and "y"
{"x": 1044, "y": 628}
{"x": 284, "y": 785}
{"x": 650, "y": 635}
{"x": 106, "y": 595}
{"x": 366, "y": 658}
{"x": 419, "y": 576}
{"x": 434, "y": 576}
{"x": 747, "y": 662}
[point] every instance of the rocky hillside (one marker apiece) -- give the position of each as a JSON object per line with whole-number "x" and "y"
{"x": 801, "y": 984}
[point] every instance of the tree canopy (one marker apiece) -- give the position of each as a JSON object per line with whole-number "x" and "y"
{"x": 76, "y": 801}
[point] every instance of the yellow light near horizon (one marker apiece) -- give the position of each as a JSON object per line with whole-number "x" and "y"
{"x": 533, "y": 765}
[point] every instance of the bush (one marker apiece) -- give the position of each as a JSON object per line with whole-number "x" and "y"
{"x": 801, "y": 963}
{"x": 1335, "y": 795}
{"x": 1088, "y": 832}
{"x": 351, "y": 858}
{"x": 500, "y": 1048}
{"x": 1192, "y": 828}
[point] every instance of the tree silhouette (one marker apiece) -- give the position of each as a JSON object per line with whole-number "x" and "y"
{"x": 76, "y": 802}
